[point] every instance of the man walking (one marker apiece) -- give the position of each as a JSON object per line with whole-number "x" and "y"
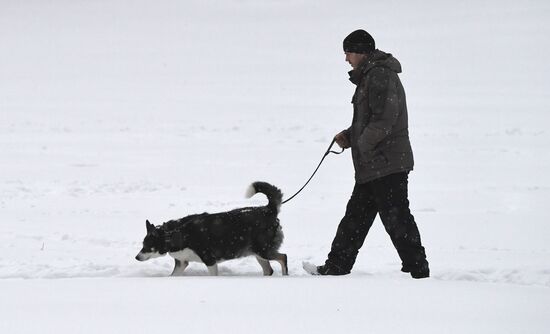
{"x": 382, "y": 158}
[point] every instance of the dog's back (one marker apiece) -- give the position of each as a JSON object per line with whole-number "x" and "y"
{"x": 240, "y": 232}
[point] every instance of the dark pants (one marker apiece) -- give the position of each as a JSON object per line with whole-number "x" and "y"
{"x": 386, "y": 196}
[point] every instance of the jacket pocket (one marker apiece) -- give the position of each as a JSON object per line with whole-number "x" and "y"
{"x": 374, "y": 160}
{"x": 380, "y": 159}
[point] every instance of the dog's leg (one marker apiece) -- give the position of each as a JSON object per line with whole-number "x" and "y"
{"x": 179, "y": 267}
{"x": 266, "y": 267}
{"x": 282, "y": 259}
{"x": 213, "y": 270}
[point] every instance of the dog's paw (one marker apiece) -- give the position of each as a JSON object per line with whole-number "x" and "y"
{"x": 310, "y": 268}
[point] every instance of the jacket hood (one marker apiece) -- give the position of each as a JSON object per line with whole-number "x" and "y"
{"x": 380, "y": 58}
{"x": 375, "y": 59}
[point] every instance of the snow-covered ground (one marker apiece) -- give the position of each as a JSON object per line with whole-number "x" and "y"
{"x": 113, "y": 112}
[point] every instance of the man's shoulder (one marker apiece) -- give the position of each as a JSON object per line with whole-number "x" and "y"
{"x": 378, "y": 71}
{"x": 379, "y": 75}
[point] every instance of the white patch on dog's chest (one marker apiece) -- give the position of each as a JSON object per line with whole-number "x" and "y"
{"x": 186, "y": 255}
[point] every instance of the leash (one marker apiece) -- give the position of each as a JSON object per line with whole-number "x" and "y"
{"x": 316, "y": 169}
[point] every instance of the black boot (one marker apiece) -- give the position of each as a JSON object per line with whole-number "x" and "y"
{"x": 330, "y": 270}
{"x": 421, "y": 270}
{"x": 324, "y": 270}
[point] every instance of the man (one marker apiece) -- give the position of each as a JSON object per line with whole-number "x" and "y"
{"x": 382, "y": 157}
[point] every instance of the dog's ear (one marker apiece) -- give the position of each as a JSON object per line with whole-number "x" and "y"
{"x": 150, "y": 227}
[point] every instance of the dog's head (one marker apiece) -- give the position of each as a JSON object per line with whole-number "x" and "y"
{"x": 153, "y": 244}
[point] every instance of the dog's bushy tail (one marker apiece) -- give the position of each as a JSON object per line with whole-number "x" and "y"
{"x": 274, "y": 194}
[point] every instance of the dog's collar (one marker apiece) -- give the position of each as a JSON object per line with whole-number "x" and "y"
{"x": 166, "y": 237}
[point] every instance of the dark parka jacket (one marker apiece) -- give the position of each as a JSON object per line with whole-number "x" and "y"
{"x": 379, "y": 134}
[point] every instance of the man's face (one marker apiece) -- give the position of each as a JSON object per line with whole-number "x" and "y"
{"x": 355, "y": 59}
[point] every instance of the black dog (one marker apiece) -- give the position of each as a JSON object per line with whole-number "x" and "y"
{"x": 213, "y": 238}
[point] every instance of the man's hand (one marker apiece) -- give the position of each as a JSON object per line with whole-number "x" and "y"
{"x": 342, "y": 140}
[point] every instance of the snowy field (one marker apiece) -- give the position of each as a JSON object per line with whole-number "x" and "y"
{"x": 113, "y": 112}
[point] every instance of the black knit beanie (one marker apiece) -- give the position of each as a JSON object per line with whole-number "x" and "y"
{"x": 359, "y": 41}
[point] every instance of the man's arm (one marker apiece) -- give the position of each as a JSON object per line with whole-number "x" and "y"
{"x": 384, "y": 105}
